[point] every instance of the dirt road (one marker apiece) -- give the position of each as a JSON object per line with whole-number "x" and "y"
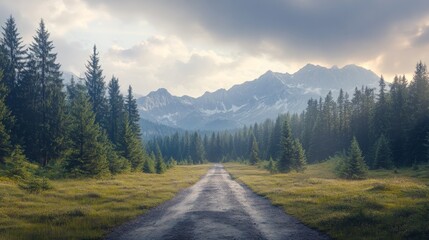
{"x": 216, "y": 207}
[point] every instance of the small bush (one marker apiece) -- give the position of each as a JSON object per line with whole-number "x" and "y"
{"x": 271, "y": 166}
{"x": 352, "y": 166}
{"x": 171, "y": 163}
{"x": 17, "y": 165}
{"x": 118, "y": 164}
{"x": 35, "y": 185}
{"x": 149, "y": 166}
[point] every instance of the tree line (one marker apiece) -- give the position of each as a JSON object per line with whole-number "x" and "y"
{"x": 390, "y": 126}
{"x": 86, "y": 128}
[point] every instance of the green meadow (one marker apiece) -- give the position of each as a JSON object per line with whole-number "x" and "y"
{"x": 87, "y": 208}
{"x": 387, "y": 205}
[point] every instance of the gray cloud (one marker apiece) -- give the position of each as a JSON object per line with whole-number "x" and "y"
{"x": 422, "y": 39}
{"x": 199, "y": 45}
{"x": 332, "y": 29}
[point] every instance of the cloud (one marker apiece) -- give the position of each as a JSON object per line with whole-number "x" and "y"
{"x": 422, "y": 36}
{"x": 168, "y": 62}
{"x": 71, "y": 55}
{"x": 333, "y": 29}
{"x": 163, "y": 62}
{"x": 61, "y": 17}
{"x": 191, "y": 46}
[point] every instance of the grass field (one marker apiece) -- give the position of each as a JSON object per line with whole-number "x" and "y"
{"x": 387, "y": 205}
{"x": 87, "y": 208}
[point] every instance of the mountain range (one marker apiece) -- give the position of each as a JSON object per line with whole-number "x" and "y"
{"x": 253, "y": 101}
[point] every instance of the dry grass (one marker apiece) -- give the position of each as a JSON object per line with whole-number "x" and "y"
{"x": 87, "y": 208}
{"x": 387, "y": 205}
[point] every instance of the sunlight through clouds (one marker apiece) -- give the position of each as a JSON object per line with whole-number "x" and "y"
{"x": 198, "y": 46}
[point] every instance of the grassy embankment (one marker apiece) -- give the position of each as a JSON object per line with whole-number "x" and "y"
{"x": 87, "y": 208}
{"x": 387, "y": 205}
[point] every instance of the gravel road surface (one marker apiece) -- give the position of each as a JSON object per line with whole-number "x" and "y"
{"x": 216, "y": 207}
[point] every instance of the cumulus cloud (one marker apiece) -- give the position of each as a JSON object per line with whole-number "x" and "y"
{"x": 61, "y": 16}
{"x": 168, "y": 62}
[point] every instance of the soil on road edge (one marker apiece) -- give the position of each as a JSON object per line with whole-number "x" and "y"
{"x": 216, "y": 207}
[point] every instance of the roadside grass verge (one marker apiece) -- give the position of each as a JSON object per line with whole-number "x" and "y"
{"x": 87, "y": 208}
{"x": 386, "y": 205}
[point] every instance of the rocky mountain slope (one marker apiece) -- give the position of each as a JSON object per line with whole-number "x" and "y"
{"x": 253, "y": 101}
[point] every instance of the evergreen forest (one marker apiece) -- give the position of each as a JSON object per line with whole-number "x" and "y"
{"x": 85, "y": 128}
{"x": 88, "y": 128}
{"x": 390, "y": 126}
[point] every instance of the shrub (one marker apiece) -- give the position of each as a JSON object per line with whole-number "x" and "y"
{"x": 17, "y": 165}
{"x": 271, "y": 166}
{"x": 353, "y": 166}
{"x": 35, "y": 185}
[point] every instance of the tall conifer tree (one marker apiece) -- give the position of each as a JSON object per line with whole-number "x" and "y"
{"x": 88, "y": 146}
{"x": 15, "y": 53}
{"x": 383, "y": 154}
{"x": 5, "y": 144}
{"x": 116, "y": 113}
{"x": 382, "y": 111}
{"x": 132, "y": 147}
{"x": 400, "y": 121}
{"x": 419, "y": 105}
{"x": 254, "y": 151}
{"x": 133, "y": 113}
{"x": 94, "y": 81}
{"x": 197, "y": 151}
{"x": 300, "y": 161}
{"x": 160, "y": 166}
{"x": 286, "y": 159}
{"x": 47, "y": 101}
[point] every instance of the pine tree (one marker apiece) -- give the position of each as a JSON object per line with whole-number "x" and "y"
{"x": 400, "y": 121}
{"x": 363, "y": 118}
{"x": 160, "y": 164}
{"x": 88, "y": 147}
{"x": 117, "y": 163}
{"x": 28, "y": 115}
{"x": 94, "y": 82}
{"x": 132, "y": 147}
{"x": 5, "y": 144}
{"x": 15, "y": 54}
{"x": 353, "y": 166}
{"x": 419, "y": 114}
{"x": 276, "y": 136}
{"x": 272, "y": 166}
{"x": 286, "y": 160}
{"x": 17, "y": 165}
{"x": 419, "y": 89}
{"x": 310, "y": 120}
{"x": 254, "y": 151}
{"x": 116, "y": 112}
{"x": 383, "y": 155}
{"x": 426, "y": 143}
{"x": 133, "y": 113}
{"x": 149, "y": 164}
{"x": 44, "y": 118}
{"x": 197, "y": 151}
{"x": 300, "y": 161}
{"x": 382, "y": 111}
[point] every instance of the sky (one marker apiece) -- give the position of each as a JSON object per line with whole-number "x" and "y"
{"x": 193, "y": 46}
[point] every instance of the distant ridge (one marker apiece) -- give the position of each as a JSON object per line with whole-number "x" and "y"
{"x": 252, "y": 101}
